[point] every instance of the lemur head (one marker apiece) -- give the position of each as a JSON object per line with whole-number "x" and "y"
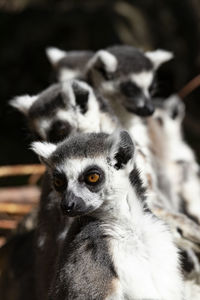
{"x": 60, "y": 110}
{"x": 88, "y": 170}
{"x": 169, "y": 114}
{"x": 70, "y": 64}
{"x": 127, "y": 74}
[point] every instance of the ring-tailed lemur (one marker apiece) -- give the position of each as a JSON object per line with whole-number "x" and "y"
{"x": 65, "y": 108}
{"x": 178, "y": 157}
{"x": 124, "y": 75}
{"x": 59, "y": 111}
{"x": 114, "y": 249}
{"x": 68, "y": 64}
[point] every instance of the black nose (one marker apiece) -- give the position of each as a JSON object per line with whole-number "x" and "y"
{"x": 72, "y": 205}
{"x": 67, "y": 207}
{"x": 145, "y": 110}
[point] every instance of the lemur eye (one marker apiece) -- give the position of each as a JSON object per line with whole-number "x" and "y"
{"x": 59, "y": 183}
{"x": 92, "y": 178}
{"x": 129, "y": 89}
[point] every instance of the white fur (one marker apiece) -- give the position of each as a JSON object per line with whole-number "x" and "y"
{"x": 44, "y": 150}
{"x": 54, "y": 55}
{"x": 42, "y": 125}
{"x": 23, "y": 103}
{"x": 109, "y": 60}
{"x": 143, "y": 80}
{"x": 67, "y": 74}
{"x": 142, "y": 250}
{"x": 178, "y": 150}
{"x": 141, "y": 246}
{"x": 158, "y": 57}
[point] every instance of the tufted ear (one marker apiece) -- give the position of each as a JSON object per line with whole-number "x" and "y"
{"x": 23, "y": 103}
{"x": 122, "y": 149}
{"x": 103, "y": 62}
{"x": 54, "y": 55}
{"x": 44, "y": 151}
{"x": 159, "y": 57}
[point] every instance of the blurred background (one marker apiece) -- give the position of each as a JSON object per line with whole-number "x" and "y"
{"x": 27, "y": 27}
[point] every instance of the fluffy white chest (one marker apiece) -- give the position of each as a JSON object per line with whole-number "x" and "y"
{"x": 132, "y": 266}
{"x": 145, "y": 268}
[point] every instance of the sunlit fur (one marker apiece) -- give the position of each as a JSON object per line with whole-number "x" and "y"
{"x": 140, "y": 246}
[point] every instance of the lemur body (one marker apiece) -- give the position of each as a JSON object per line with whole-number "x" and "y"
{"x": 113, "y": 245}
{"x": 124, "y": 75}
{"x": 59, "y": 111}
{"x": 178, "y": 157}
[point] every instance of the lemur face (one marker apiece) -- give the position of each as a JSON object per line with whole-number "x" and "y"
{"x": 68, "y": 65}
{"x": 127, "y": 74}
{"x": 86, "y": 169}
{"x": 169, "y": 114}
{"x": 60, "y": 110}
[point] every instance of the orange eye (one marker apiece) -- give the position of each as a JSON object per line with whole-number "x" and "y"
{"x": 93, "y": 178}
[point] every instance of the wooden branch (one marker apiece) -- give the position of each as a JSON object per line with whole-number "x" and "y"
{"x": 8, "y": 224}
{"x": 2, "y": 241}
{"x": 12, "y": 208}
{"x": 21, "y": 170}
{"x": 189, "y": 87}
{"x": 21, "y": 195}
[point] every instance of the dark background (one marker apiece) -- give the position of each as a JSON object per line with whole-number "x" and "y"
{"x": 27, "y": 27}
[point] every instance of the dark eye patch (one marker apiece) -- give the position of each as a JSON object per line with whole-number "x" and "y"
{"x": 174, "y": 113}
{"x": 58, "y": 131}
{"x": 59, "y": 181}
{"x": 129, "y": 89}
{"x": 47, "y": 104}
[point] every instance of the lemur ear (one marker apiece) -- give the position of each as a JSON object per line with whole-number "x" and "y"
{"x": 81, "y": 93}
{"x": 43, "y": 150}
{"x": 122, "y": 149}
{"x": 54, "y": 55}
{"x": 175, "y": 107}
{"x": 104, "y": 62}
{"x": 23, "y": 103}
{"x": 159, "y": 57}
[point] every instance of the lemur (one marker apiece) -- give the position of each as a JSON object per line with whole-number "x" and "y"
{"x": 65, "y": 108}
{"x": 124, "y": 75}
{"x": 68, "y": 64}
{"x": 178, "y": 157}
{"x": 61, "y": 110}
{"x": 114, "y": 249}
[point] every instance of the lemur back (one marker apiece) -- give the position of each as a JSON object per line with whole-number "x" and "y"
{"x": 113, "y": 244}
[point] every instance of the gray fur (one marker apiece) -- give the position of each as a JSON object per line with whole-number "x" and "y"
{"x": 75, "y": 60}
{"x": 130, "y": 61}
{"x": 89, "y": 263}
